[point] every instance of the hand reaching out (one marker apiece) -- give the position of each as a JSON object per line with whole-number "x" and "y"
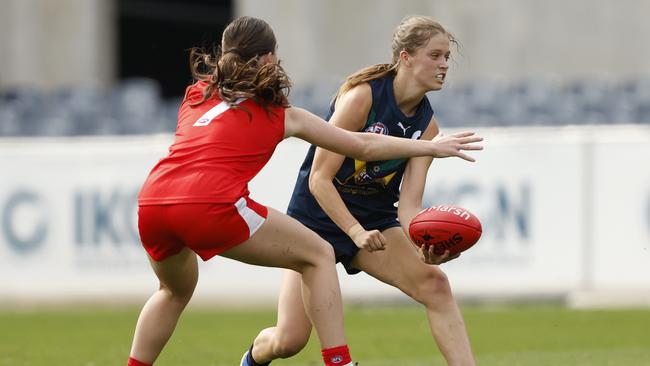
{"x": 454, "y": 144}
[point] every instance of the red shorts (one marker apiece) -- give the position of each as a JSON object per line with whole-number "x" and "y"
{"x": 206, "y": 228}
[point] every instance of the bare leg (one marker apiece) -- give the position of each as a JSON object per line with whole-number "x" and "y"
{"x": 178, "y": 276}
{"x": 400, "y": 266}
{"x": 284, "y": 242}
{"x": 291, "y": 333}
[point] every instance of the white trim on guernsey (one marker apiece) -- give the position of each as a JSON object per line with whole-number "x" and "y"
{"x": 252, "y": 218}
{"x": 208, "y": 116}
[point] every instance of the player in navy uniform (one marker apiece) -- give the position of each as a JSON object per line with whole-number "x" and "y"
{"x": 350, "y": 202}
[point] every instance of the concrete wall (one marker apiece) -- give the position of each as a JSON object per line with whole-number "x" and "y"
{"x": 501, "y": 39}
{"x": 63, "y": 42}
{"x": 56, "y": 43}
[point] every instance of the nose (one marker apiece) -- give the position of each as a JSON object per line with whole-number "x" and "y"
{"x": 444, "y": 64}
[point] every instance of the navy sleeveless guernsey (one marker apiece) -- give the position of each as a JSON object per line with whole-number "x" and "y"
{"x": 369, "y": 189}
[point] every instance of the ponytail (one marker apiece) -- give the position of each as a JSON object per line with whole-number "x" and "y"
{"x": 364, "y": 75}
{"x": 229, "y": 75}
{"x": 235, "y": 71}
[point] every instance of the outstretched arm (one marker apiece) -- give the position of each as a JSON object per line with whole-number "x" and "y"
{"x": 371, "y": 147}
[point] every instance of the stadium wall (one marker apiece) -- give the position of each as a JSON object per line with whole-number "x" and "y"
{"x": 54, "y": 44}
{"x": 504, "y": 40}
{"x": 61, "y": 43}
{"x": 565, "y": 211}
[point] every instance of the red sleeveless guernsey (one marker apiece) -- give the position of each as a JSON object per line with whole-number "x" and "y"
{"x": 217, "y": 151}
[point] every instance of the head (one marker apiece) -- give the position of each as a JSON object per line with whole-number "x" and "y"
{"x": 421, "y": 46}
{"x": 246, "y": 38}
{"x": 245, "y": 65}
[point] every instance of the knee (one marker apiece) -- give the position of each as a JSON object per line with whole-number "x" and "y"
{"x": 289, "y": 345}
{"x": 326, "y": 253}
{"x": 180, "y": 296}
{"x": 432, "y": 287}
{"x": 318, "y": 256}
{"x": 323, "y": 251}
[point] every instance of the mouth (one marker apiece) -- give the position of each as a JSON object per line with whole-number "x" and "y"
{"x": 441, "y": 77}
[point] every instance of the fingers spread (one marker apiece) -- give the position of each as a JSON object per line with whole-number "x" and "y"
{"x": 466, "y": 157}
{"x": 463, "y": 134}
{"x": 471, "y": 147}
{"x": 470, "y": 139}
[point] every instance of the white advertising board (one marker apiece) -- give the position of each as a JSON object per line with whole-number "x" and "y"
{"x": 563, "y": 210}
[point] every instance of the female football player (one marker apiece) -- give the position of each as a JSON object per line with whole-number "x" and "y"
{"x": 350, "y": 202}
{"x": 196, "y": 201}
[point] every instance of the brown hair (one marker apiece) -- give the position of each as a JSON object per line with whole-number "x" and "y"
{"x": 412, "y": 33}
{"x": 233, "y": 69}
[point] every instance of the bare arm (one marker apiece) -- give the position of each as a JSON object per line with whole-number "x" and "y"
{"x": 371, "y": 147}
{"x": 350, "y": 114}
{"x": 414, "y": 181}
{"x": 410, "y": 200}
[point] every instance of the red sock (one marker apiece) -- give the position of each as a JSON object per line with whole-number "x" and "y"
{"x": 133, "y": 362}
{"x": 337, "y": 356}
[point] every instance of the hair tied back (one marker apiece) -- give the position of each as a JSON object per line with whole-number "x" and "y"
{"x": 232, "y": 50}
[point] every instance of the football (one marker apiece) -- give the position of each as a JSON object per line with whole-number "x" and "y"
{"x": 445, "y": 227}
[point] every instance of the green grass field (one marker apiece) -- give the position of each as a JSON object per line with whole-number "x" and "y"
{"x": 379, "y": 336}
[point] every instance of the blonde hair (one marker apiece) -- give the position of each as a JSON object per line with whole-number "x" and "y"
{"x": 233, "y": 69}
{"x": 412, "y": 33}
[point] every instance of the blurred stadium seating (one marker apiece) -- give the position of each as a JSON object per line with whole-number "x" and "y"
{"x": 136, "y": 106}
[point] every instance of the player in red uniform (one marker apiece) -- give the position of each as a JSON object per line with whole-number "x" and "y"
{"x": 196, "y": 200}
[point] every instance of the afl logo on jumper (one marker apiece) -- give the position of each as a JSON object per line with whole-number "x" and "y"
{"x": 377, "y": 127}
{"x": 336, "y": 359}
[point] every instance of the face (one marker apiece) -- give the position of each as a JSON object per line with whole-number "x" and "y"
{"x": 429, "y": 64}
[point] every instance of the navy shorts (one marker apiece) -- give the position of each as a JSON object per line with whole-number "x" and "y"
{"x": 344, "y": 247}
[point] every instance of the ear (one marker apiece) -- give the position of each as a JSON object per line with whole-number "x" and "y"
{"x": 404, "y": 58}
{"x": 267, "y": 58}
